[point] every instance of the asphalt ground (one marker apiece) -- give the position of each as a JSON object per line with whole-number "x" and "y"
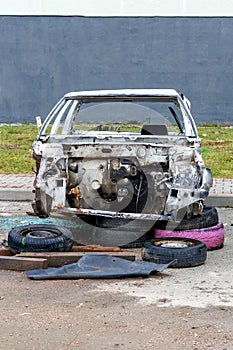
{"x": 179, "y": 309}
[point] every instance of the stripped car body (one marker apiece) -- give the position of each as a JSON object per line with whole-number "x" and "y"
{"x": 105, "y": 169}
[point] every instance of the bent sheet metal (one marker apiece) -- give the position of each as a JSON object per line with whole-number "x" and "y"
{"x": 99, "y": 266}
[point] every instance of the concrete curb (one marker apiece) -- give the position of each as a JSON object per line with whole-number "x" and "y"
{"x": 20, "y": 188}
{"x": 224, "y": 201}
{"x": 15, "y": 194}
{"x": 16, "y": 187}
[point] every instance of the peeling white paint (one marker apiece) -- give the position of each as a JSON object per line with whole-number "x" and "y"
{"x": 104, "y": 171}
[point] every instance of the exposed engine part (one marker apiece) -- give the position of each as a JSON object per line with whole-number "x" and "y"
{"x": 118, "y": 183}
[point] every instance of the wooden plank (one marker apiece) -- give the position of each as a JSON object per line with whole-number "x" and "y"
{"x": 95, "y": 248}
{"x": 5, "y": 251}
{"x": 57, "y": 259}
{"x": 17, "y": 263}
{"x": 87, "y": 248}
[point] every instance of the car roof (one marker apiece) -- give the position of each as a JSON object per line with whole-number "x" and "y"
{"x": 123, "y": 93}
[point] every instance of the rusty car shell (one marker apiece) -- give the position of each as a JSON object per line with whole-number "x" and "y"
{"x": 154, "y": 175}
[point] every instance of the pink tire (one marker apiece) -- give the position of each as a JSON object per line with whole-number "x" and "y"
{"x": 212, "y": 236}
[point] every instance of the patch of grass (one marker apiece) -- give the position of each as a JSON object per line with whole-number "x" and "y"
{"x": 217, "y": 149}
{"x": 16, "y": 148}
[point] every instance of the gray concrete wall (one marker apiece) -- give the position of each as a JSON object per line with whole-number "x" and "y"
{"x": 42, "y": 58}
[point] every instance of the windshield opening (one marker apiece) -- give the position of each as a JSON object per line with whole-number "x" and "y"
{"x": 145, "y": 118}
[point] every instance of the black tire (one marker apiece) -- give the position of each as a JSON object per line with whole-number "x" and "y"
{"x": 139, "y": 242}
{"x": 39, "y": 238}
{"x": 143, "y": 229}
{"x": 208, "y": 218}
{"x": 186, "y": 252}
{"x": 114, "y": 232}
